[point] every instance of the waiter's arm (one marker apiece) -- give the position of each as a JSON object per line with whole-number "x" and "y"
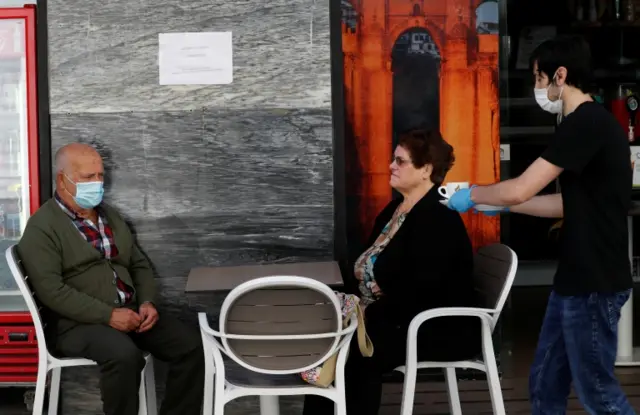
{"x": 545, "y": 206}
{"x": 518, "y": 190}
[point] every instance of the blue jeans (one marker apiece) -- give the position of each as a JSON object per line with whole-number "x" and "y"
{"x": 578, "y": 342}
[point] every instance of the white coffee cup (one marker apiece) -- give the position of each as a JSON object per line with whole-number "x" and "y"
{"x": 450, "y": 188}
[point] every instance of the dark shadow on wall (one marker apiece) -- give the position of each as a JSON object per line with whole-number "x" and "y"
{"x": 356, "y": 236}
{"x": 157, "y": 237}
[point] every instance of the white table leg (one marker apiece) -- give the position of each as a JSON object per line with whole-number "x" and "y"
{"x": 627, "y": 355}
{"x": 269, "y": 405}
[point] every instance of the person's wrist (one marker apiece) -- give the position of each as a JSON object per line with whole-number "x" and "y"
{"x": 471, "y": 198}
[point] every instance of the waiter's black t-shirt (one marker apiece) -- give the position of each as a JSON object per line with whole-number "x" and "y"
{"x": 596, "y": 182}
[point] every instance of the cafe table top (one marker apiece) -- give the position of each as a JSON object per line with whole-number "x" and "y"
{"x": 202, "y": 279}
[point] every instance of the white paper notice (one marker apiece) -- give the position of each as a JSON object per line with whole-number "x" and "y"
{"x": 505, "y": 152}
{"x": 199, "y": 58}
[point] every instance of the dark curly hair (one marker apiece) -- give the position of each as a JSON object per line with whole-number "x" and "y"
{"x": 428, "y": 147}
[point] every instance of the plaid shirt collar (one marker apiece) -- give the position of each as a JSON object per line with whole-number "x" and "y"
{"x": 99, "y": 235}
{"x": 70, "y": 212}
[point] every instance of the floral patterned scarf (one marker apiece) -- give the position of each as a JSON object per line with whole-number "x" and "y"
{"x": 364, "y": 265}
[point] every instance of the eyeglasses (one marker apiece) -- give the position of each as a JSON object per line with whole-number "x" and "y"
{"x": 400, "y": 161}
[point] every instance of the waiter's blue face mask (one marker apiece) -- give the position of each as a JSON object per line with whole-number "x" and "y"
{"x": 88, "y": 194}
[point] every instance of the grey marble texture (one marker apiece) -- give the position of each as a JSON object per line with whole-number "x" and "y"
{"x": 104, "y": 54}
{"x": 192, "y": 162}
{"x": 215, "y": 187}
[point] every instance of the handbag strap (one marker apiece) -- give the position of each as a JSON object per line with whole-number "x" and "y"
{"x": 364, "y": 342}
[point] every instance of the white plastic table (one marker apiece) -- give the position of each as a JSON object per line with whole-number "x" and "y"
{"x": 627, "y": 354}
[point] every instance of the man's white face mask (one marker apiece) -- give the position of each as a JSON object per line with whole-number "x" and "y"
{"x": 542, "y": 98}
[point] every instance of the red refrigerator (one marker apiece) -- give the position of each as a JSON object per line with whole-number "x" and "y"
{"x": 19, "y": 183}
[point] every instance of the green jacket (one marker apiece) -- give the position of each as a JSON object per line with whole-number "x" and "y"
{"x": 70, "y": 277}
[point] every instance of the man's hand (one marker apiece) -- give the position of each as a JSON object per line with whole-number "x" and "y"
{"x": 124, "y": 319}
{"x": 149, "y": 316}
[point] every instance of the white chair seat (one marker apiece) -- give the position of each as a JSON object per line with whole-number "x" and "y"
{"x": 72, "y": 361}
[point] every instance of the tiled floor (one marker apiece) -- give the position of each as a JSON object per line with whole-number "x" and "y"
{"x": 522, "y": 321}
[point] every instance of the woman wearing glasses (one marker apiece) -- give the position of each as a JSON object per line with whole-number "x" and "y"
{"x": 419, "y": 257}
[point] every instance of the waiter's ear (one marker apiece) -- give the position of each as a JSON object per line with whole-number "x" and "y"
{"x": 561, "y": 76}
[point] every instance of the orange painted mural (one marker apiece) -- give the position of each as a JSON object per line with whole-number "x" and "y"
{"x": 419, "y": 64}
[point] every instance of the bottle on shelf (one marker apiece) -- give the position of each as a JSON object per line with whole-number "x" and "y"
{"x": 629, "y": 11}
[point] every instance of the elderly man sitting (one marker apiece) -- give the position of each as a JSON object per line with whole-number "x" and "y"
{"x": 85, "y": 268}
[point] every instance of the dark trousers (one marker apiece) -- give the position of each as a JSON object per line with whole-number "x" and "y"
{"x": 120, "y": 359}
{"x": 363, "y": 375}
{"x": 578, "y": 342}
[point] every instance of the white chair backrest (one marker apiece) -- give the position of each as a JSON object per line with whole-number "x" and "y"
{"x": 17, "y": 270}
{"x": 281, "y": 306}
{"x": 495, "y": 269}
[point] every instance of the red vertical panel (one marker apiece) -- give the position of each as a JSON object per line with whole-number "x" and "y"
{"x": 32, "y": 109}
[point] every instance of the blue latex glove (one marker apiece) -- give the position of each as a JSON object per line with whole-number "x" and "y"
{"x": 461, "y": 201}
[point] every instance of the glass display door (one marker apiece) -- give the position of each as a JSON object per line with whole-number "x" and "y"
{"x": 19, "y": 186}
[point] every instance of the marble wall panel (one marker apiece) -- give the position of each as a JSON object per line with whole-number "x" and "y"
{"x": 215, "y": 187}
{"x": 103, "y": 54}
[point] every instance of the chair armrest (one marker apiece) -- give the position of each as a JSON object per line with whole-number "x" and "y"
{"x": 484, "y": 314}
{"x": 203, "y": 322}
{"x": 347, "y": 333}
{"x": 207, "y": 333}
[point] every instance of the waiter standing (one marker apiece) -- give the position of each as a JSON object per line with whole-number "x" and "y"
{"x": 590, "y": 154}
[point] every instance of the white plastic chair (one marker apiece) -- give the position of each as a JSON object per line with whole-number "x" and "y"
{"x": 272, "y": 329}
{"x": 47, "y": 362}
{"x": 495, "y": 268}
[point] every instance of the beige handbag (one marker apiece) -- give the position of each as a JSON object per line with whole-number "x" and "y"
{"x": 323, "y": 376}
